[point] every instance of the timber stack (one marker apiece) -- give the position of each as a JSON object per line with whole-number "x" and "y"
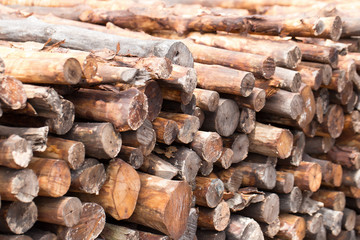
{"x": 179, "y": 119}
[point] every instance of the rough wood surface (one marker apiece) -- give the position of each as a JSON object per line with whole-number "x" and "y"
{"x": 208, "y": 191}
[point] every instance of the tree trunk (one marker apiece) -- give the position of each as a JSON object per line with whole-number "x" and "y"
{"x": 332, "y": 220}
{"x": 156, "y": 166}
{"x": 166, "y": 130}
{"x": 208, "y": 145}
{"x": 239, "y": 143}
{"x": 112, "y": 231}
{"x": 284, "y": 182}
{"x": 208, "y": 191}
{"x": 255, "y": 101}
{"x": 349, "y": 219}
{"x": 290, "y": 203}
{"x": 291, "y": 227}
{"x": 132, "y": 156}
{"x": 242, "y": 228}
{"x": 15, "y": 152}
{"x": 317, "y": 53}
{"x": 332, "y": 199}
{"x": 12, "y": 92}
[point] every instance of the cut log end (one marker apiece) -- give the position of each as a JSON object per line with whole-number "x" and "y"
{"x": 179, "y": 54}
{"x": 319, "y": 27}
{"x": 76, "y": 155}
{"x": 214, "y": 193}
{"x": 110, "y": 141}
{"x": 187, "y": 132}
{"x": 138, "y": 110}
{"x": 315, "y": 177}
{"x": 21, "y": 216}
{"x": 221, "y": 216}
{"x": 25, "y": 186}
{"x": 260, "y": 100}
{"x": 335, "y": 122}
{"x": 268, "y": 67}
{"x": 92, "y": 179}
{"x": 170, "y": 132}
{"x": 285, "y": 144}
{"x": 20, "y": 150}
{"x": 336, "y": 29}
{"x": 293, "y": 57}
{"x": 212, "y": 147}
{"x": 72, "y": 71}
{"x": 227, "y": 117}
{"x": 247, "y": 84}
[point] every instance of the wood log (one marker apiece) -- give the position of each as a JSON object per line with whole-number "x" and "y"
{"x": 342, "y": 97}
{"x": 239, "y": 143}
{"x": 290, "y": 203}
{"x": 120, "y": 191}
{"x": 270, "y": 230}
{"x": 112, "y": 231}
{"x": 207, "y": 100}
{"x": 173, "y": 200}
{"x": 351, "y": 178}
{"x": 188, "y": 125}
{"x": 39, "y": 234}
{"x": 309, "y": 206}
{"x": 297, "y": 150}
{"x": 62, "y": 123}
{"x": 357, "y": 223}
{"x": 325, "y": 69}
{"x": 65, "y": 211}
{"x": 176, "y": 95}
{"x": 317, "y": 53}
{"x": 349, "y": 219}
{"x": 15, "y": 152}
{"x": 350, "y": 106}
{"x": 225, "y": 159}
{"x": 18, "y": 185}
{"x": 343, "y": 235}
{"x": 91, "y": 224}
{"x": 257, "y": 175}
{"x": 255, "y": 101}
{"x": 238, "y": 82}
{"x": 199, "y": 114}
{"x": 352, "y": 192}
{"x": 351, "y": 125}
{"x": 140, "y": 48}
{"x": 322, "y": 103}
{"x": 266, "y": 211}
{"x": 156, "y": 166}
{"x": 9, "y": 86}
{"x": 89, "y": 177}
{"x": 181, "y": 78}
{"x": 287, "y": 79}
{"x": 100, "y": 139}
{"x": 353, "y": 203}
{"x": 325, "y": 166}
{"x": 284, "y": 182}
{"x": 332, "y": 220}
{"x": 17, "y": 217}
{"x": 247, "y": 120}
{"x": 337, "y": 82}
{"x": 232, "y": 178}
{"x": 210, "y": 235}
{"x": 131, "y": 105}
{"x": 191, "y": 228}
{"x": 241, "y": 228}
{"x": 224, "y": 120}
{"x": 72, "y": 152}
{"x": 271, "y": 141}
{"x": 307, "y": 175}
{"x": 318, "y": 145}
{"x": 166, "y": 130}
{"x": 206, "y": 168}
{"x": 208, "y": 191}
{"x": 313, "y": 224}
{"x": 291, "y": 227}
{"x": 208, "y": 145}
{"x": 311, "y": 76}
{"x": 333, "y": 123}
{"x": 214, "y": 219}
{"x": 260, "y": 66}
{"x": 285, "y": 54}
{"x": 152, "y": 236}
{"x": 132, "y": 156}
{"x": 332, "y": 199}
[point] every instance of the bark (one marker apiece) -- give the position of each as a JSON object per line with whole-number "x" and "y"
{"x": 318, "y": 145}
{"x": 332, "y": 220}
{"x": 308, "y": 205}
{"x": 12, "y": 92}
{"x": 290, "y": 203}
{"x": 207, "y": 100}
{"x": 15, "y": 152}
{"x": 287, "y": 79}
{"x": 166, "y": 130}
{"x": 232, "y": 178}
{"x": 317, "y": 53}
{"x": 208, "y": 145}
{"x": 337, "y": 81}
{"x": 313, "y": 224}
{"x": 325, "y": 69}
{"x": 247, "y": 120}
{"x": 349, "y": 219}
{"x": 326, "y": 167}
{"x": 255, "y": 101}
{"x": 214, "y": 219}
{"x": 208, "y": 191}
{"x": 348, "y": 157}
{"x": 332, "y": 199}
{"x": 112, "y": 231}
{"x": 156, "y": 166}
{"x": 311, "y": 76}
{"x": 132, "y": 156}
{"x": 225, "y": 159}
{"x": 284, "y": 182}
{"x": 291, "y": 227}
{"x": 39, "y": 234}
{"x": 333, "y": 123}
{"x": 242, "y": 228}
{"x": 191, "y": 228}
{"x": 181, "y": 78}
{"x": 270, "y": 230}
{"x": 210, "y": 235}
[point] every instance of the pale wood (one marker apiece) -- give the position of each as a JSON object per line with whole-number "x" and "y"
{"x": 214, "y": 219}
{"x": 290, "y": 203}
{"x": 239, "y": 144}
{"x": 242, "y": 228}
{"x": 15, "y": 152}
{"x": 291, "y": 227}
{"x": 208, "y": 145}
{"x": 154, "y": 165}
{"x": 332, "y": 220}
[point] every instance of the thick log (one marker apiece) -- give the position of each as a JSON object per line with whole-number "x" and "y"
{"x": 65, "y": 211}
{"x": 309, "y": 206}
{"x": 17, "y": 217}
{"x": 287, "y": 79}
{"x": 88, "y": 178}
{"x": 311, "y": 76}
{"x": 238, "y": 82}
{"x": 170, "y": 212}
{"x": 18, "y": 185}
{"x": 349, "y": 219}
{"x": 317, "y": 53}
{"x": 297, "y": 150}
{"x": 352, "y": 192}
{"x": 255, "y": 101}
{"x": 207, "y": 100}
{"x": 91, "y": 224}
{"x": 72, "y": 152}
{"x": 270, "y": 230}
{"x": 239, "y": 143}
{"x": 208, "y": 145}
{"x": 284, "y": 182}
{"x": 242, "y": 228}
{"x": 307, "y": 175}
{"x": 100, "y": 139}
{"x": 325, "y": 69}
{"x": 12, "y": 92}
{"x": 332, "y": 199}
{"x": 349, "y": 235}
{"x": 271, "y": 141}
{"x": 15, "y": 152}
{"x": 214, "y": 219}
{"x": 112, "y": 231}
{"x": 210, "y": 235}
{"x": 166, "y": 130}
{"x": 290, "y": 203}
{"x": 232, "y": 178}
{"x": 333, "y": 123}
{"x": 260, "y": 66}
{"x": 199, "y": 114}
{"x": 224, "y": 120}
{"x": 131, "y": 105}
{"x": 326, "y": 167}
{"x": 318, "y": 145}
{"x": 313, "y": 224}
{"x": 154, "y": 165}
{"x": 132, "y": 156}
{"x": 62, "y": 123}
{"x": 188, "y": 125}
{"x": 266, "y": 211}
{"x": 225, "y": 159}
{"x": 332, "y": 220}
{"x": 152, "y": 236}
{"x": 181, "y": 78}
{"x": 291, "y": 227}
{"x": 120, "y": 191}
{"x": 176, "y": 95}
{"x": 208, "y": 191}
{"x": 337, "y": 82}
{"x": 350, "y": 106}
{"x": 247, "y": 120}
{"x": 39, "y": 234}
{"x": 192, "y": 223}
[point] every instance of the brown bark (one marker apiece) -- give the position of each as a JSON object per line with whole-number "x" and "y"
{"x": 181, "y": 78}
{"x": 325, "y": 69}
{"x": 290, "y": 203}
{"x": 337, "y": 82}
{"x": 247, "y": 120}
{"x": 156, "y": 166}
{"x": 191, "y": 228}
{"x": 311, "y": 76}
{"x": 176, "y": 95}
{"x": 210, "y": 235}
{"x": 15, "y": 152}
{"x": 255, "y": 101}
{"x": 65, "y": 211}
{"x": 112, "y": 231}
{"x": 12, "y": 92}
{"x": 152, "y": 236}
{"x": 208, "y": 191}
{"x": 39, "y": 234}
{"x": 284, "y": 182}
{"x": 287, "y": 79}
{"x": 170, "y": 212}
{"x": 242, "y": 228}
{"x": 351, "y": 125}
{"x": 72, "y": 152}
{"x": 88, "y": 178}
{"x": 62, "y": 123}
{"x": 348, "y": 157}
{"x": 225, "y": 159}
{"x": 342, "y": 98}
{"x": 238, "y": 82}
{"x": 291, "y": 227}
{"x": 332, "y": 220}
{"x": 318, "y": 145}
{"x": 207, "y": 100}
{"x": 17, "y": 217}
{"x": 132, "y": 156}
{"x": 214, "y": 219}
{"x": 232, "y": 178}
{"x": 350, "y": 106}
{"x": 317, "y": 53}
{"x": 351, "y": 178}
{"x": 332, "y": 199}
{"x": 326, "y": 167}
{"x": 206, "y": 168}
{"x": 270, "y": 230}
{"x": 120, "y": 191}
{"x": 199, "y": 114}
{"x": 297, "y": 150}
{"x": 166, "y": 130}
{"x": 131, "y": 105}
{"x": 333, "y": 123}
{"x": 208, "y": 145}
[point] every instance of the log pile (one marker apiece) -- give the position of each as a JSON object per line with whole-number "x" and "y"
{"x": 210, "y": 120}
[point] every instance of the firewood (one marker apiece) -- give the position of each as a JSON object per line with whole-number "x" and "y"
{"x": 242, "y": 228}
{"x": 284, "y": 182}
{"x": 351, "y": 126}
{"x": 112, "y": 231}
{"x": 188, "y": 125}
{"x": 18, "y": 185}
{"x": 12, "y": 92}
{"x": 350, "y": 235}
{"x": 238, "y": 83}
{"x": 266, "y": 211}
{"x": 255, "y": 101}
{"x": 318, "y": 145}
{"x": 307, "y": 175}
{"x": 224, "y": 120}
{"x": 297, "y": 150}
{"x": 271, "y": 141}
{"x": 17, "y": 217}
{"x": 132, "y": 156}
{"x": 309, "y": 206}
{"x": 208, "y": 191}
{"x": 72, "y": 152}
{"x": 91, "y": 224}
{"x": 166, "y": 130}
{"x": 290, "y": 203}
{"x": 152, "y": 236}
{"x": 311, "y": 76}
{"x": 207, "y": 100}
{"x": 176, "y": 95}
{"x": 333, "y": 123}
{"x": 247, "y": 120}
{"x": 214, "y": 219}
{"x": 322, "y": 102}
{"x": 15, "y": 152}
{"x": 350, "y": 106}
{"x": 62, "y": 123}
{"x": 342, "y": 97}
{"x": 351, "y": 178}
{"x": 317, "y": 53}
{"x": 122, "y": 104}
{"x": 270, "y": 230}
{"x": 239, "y": 143}
{"x": 352, "y": 192}
{"x": 156, "y": 166}
{"x": 208, "y": 145}
{"x": 349, "y": 219}
{"x": 210, "y": 235}
{"x": 199, "y": 114}
{"x": 88, "y": 178}
{"x": 314, "y": 224}
{"x": 332, "y": 199}
{"x": 100, "y": 139}
{"x": 171, "y": 195}
{"x": 225, "y": 159}
{"x": 337, "y": 82}
{"x": 65, "y": 211}
{"x": 353, "y": 203}
{"x": 325, "y": 166}
{"x": 206, "y": 168}
{"x": 332, "y": 220}
{"x": 192, "y": 223}
{"x": 357, "y": 223}
{"x": 122, "y": 185}
{"x": 287, "y": 79}
{"x": 181, "y": 78}
{"x": 291, "y": 227}
{"x": 39, "y": 234}
{"x": 232, "y": 178}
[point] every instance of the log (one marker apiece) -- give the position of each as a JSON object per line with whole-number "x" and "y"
{"x": 224, "y": 120}
{"x": 241, "y": 228}
{"x": 18, "y": 185}
{"x": 337, "y": 82}
{"x": 89, "y": 177}
{"x": 15, "y": 152}
{"x": 325, "y": 69}
{"x": 317, "y": 53}
{"x": 342, "y": 97}
{"x": 112, "y": 231}
{"x": 225, "y": 159}
{"x": 208, "y": 145}
{"x": 332, "y": 199}
{"x": 72, "y": 152}
{"x": 287, "y": 79}
{"x": 62, "y": 123}
{"x": 290, "y": 203}
{"x": 318, "y": 145}
{"x": 297, "y": 150}
{"x": 173, "y": 200}
{"x": 333, "y": 123}
{"x": 210, "y": 235}
{"x": 199, "y": 114}
{"x": 100, "y": 139}
{"x": 154, "y": 165}
{"x": 271, "y": 141}
{"x": 332, "y": 220}
{"x": 232, "y": 178}
{"x": 192, "y": 223}
{"x": 208, "y": 191}
{"x": 270, "y": 230}
{"x": 343, "y": 235}
{"x": 39, "y": 234}
{"x": 207, "y": 100}
{"x": 166, "y": 130}
{"x": 131, "y": 105}
{"x": 309, "y": 206}
{"x": 351, "y": 125}
{"x": 313, "y": 224}
{"x": 352, "y": 192}
{"x": 238, "y": 82}
{"x": 152, "y": 236}
{"x": 132, "y": 156}
{"x": 14, "y": 237}
{"x": 351, "y": 178}
{"x": 349, "y": 219}
{"x": 176, "y": 95}
{"x": 9, "y": 86}
{"x": 291, "y": 227}
{"x": 247, "y": 120}
{"x": 350, "y": 106}
{"x": 325, "y": 166}
{"x": 17, "y": 217}
{"x": 239, "y": 143}
{"x": 214, "y": 219}
{"x": 266, "y": 211}
{"x": 120, "y": 191}
{"x": 255, "y": 101}
{"x": 188, "y": 125}
{"x": 284, "y": 182}
{"x": 311, "y": 76}
{"x": 206, "y": 168}
{"x": 181, "y": 78}
{"x": 286, "y": 55}
{"x": 64, "y": 211}
{"x": 307, "y": 175}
